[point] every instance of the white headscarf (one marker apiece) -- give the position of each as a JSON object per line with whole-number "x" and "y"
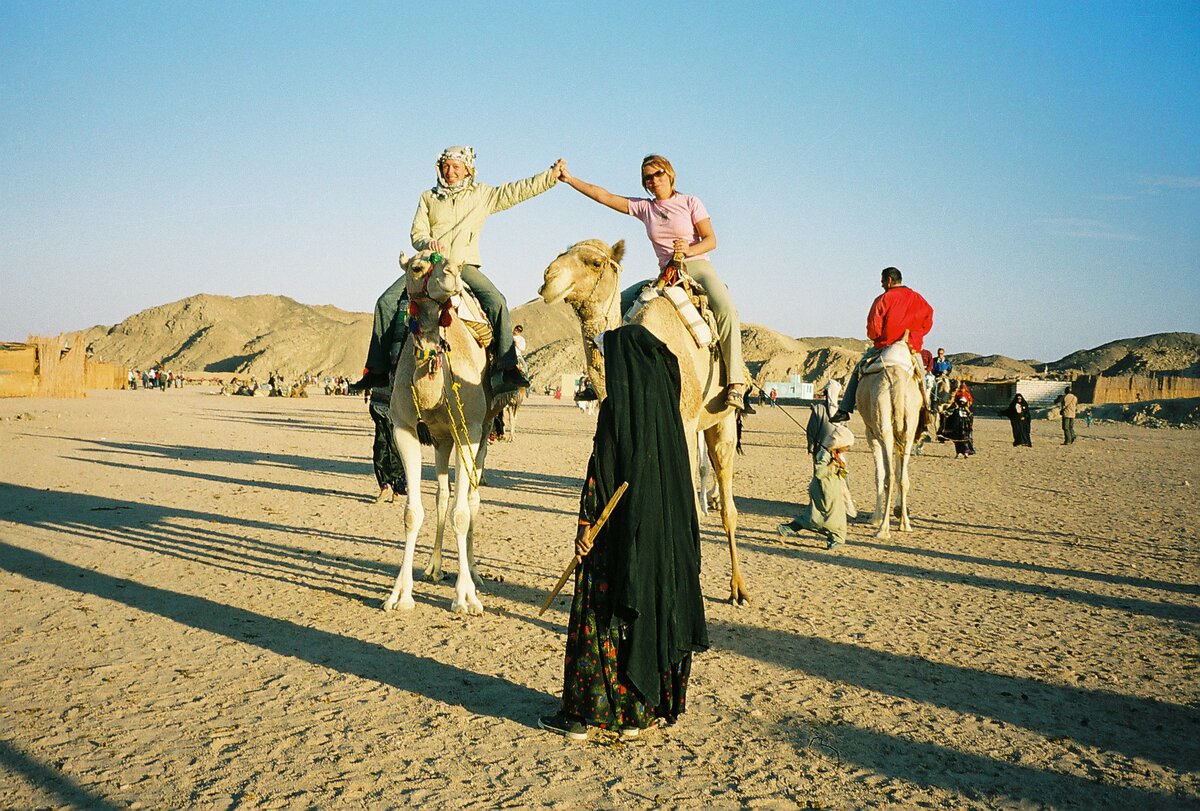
{"x": 466, "y": 155}
{"x": 833, "y": 391}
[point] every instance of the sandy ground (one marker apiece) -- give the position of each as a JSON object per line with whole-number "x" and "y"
{"x": 191, "y": 618}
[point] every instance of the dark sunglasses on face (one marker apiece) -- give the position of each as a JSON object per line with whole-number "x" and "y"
{"x": 647, "y": 178}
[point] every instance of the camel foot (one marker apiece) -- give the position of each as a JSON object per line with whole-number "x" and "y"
{"x": 468, "y": 604}
{"x": 405, "y": 604}
{"x": 434, "y": 575}
{"x": 739, "y": 594}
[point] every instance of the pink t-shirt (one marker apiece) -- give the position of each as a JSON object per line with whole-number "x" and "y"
{"x": 669, "y": 220}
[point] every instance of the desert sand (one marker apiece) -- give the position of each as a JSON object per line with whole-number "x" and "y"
{"x": 191, "y": 618}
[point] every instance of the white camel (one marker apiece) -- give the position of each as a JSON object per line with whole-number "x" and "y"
{"x": 587, "y": 276}
{"x": 440, "y": 382}
{"x": 889, "y": 399}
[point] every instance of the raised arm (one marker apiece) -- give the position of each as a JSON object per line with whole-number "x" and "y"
{"x": 600, "y": 195}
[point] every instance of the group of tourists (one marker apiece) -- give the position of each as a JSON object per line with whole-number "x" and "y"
{"x": 161, "y": 379}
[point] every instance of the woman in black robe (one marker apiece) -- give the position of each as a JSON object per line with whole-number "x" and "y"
{"x": 959, "y": 425}
{"x": 1018, "y": 415}
{"x": 637, "y": 614}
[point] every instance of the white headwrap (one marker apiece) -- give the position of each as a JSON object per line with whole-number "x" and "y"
{"x": 833, "y": 391}
{"x": 466, "y": 155}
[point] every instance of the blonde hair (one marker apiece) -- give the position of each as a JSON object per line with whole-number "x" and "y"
{"x": 659, "y": 162}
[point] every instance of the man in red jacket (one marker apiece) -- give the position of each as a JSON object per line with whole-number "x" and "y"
{"x": 898, "y": 314}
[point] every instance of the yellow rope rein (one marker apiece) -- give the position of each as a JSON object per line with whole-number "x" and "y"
{"x": 459, "y": 440}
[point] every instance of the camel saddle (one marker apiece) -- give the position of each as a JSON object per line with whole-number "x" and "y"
{"x": 690, "y": 301}
{"x": 472, "y": 315}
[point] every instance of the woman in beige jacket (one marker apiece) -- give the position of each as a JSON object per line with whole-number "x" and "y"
{"x": 449, "y": 219}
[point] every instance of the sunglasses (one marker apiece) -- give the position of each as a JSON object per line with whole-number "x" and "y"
{"x": 647, "y": 178}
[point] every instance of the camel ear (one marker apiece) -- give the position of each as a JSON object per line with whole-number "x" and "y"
{"x": 618, "y": 251}
{"x": 403, "y": 260}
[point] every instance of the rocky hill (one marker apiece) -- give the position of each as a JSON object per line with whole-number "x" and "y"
{"x": 260, "y": 334}
{"x": 249, "y": 334}
{"x": 1164, "y": 352}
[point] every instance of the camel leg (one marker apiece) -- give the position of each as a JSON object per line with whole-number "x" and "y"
{"x": 722, "y": 445}
{"x": 905, "y": 526}
{"x": 466, "y": 600}
{"x": 473, "y": 503}
{"x": 410, "y": 454}
{"x": 704, "y": 466}
{"x": 441, "y": 456}
{"x": 882, "y": 517}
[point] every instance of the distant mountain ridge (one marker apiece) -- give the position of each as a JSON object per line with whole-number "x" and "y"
{"x": 255, "y": 335}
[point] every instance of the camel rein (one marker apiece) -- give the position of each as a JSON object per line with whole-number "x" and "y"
{"x": 458, "y": 426}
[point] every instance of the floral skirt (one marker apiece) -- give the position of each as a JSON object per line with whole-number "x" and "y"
{"x": 593, "y": 688}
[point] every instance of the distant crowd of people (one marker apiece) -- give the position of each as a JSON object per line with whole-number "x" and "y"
{"x": 155, "y": 378}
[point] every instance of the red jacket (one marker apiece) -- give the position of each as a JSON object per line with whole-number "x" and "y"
{"x": 898, "y": 309}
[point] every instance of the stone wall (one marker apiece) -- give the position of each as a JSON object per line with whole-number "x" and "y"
{"x": 1100, "y": 389}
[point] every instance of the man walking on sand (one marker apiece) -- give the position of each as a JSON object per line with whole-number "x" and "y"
{"x": 1070, "y": 404}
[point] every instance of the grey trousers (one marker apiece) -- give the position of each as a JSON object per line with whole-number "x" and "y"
{"x": 390, "y": 319}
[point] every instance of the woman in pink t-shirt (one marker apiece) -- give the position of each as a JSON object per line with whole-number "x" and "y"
{"x": 679, "y": 222}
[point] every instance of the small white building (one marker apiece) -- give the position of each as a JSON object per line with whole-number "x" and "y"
{"x": 793, "y": 389}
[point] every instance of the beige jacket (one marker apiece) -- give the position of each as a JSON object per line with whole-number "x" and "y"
{"x": 457, "y": 221}
{"x": 1070, "y": 403}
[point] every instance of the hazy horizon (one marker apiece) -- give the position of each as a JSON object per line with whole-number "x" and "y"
{"x": 1032, "y": 168}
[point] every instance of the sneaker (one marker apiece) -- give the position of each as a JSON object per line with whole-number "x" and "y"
{"x": 833, "y": 545}
{"x": 840, "y": 416}
{"x": 560, "y": 724}
{"x": 629, "y": 733}
{"x": 385, "y": 494}
{"x": 786, "y": 531}
{"x": 734, "y": 399}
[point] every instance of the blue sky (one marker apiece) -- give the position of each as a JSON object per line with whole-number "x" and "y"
{"x": 1032, "y": 168}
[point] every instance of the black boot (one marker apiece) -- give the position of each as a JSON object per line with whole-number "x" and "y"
{"x": 370, "y": 379}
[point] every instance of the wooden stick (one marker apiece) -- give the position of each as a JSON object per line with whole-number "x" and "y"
{"x": 592, "y": 531}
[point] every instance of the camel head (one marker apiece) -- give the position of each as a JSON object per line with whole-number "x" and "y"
{"x": 587, "y": 272}
{"x": 428, "y": 279}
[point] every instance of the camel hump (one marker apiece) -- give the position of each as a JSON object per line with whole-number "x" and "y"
{"x": 697, "y": 323}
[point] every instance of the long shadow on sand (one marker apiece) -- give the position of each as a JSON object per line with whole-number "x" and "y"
{"x": 230, "y": 480}
{"x": 477, "y": 693}
{"x": 357, "y": 428}
{"x": 50, "y": 780}
{"x": 1101, "y": 577}
{"x": 1150, "y": 608}
{"x": 286, "y": 461}
{"x": 207, "y": 538}
{"x": 1136, "y": 727}
{"x": 986, "y": 781}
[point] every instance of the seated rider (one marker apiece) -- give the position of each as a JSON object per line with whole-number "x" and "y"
{"x": 678, "y": 224}
{"x": 448, "y": 220}
{"x": 899, "y": 313}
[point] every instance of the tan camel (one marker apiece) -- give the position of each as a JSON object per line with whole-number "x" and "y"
{"x": 889, "y": 399}
{"x": 440, "y": 378}
{"x": 587, "y": 276}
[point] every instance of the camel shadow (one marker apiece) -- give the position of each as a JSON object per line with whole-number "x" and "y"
{"x": 1151, "y": 608}
{"x": 1129, "y": 725}
{"x": 477, "y": 693}
{"x": 200, "y": 453}
{"x": 50, "y": 780}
